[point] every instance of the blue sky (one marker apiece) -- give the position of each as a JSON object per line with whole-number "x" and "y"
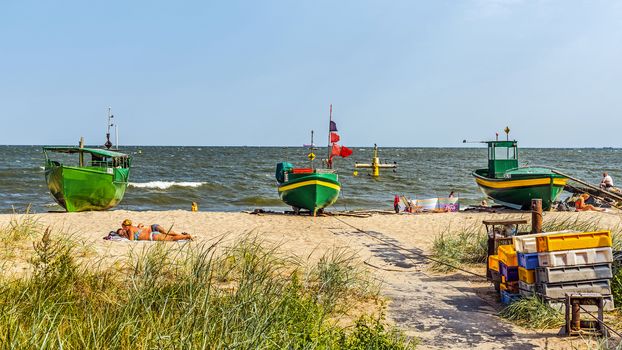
{"x": 398, "y": 73}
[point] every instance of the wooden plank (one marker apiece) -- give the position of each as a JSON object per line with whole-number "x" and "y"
{"x": 596, "y": 188}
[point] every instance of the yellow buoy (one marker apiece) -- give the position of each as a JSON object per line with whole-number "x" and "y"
{"x": 355, "y": 173}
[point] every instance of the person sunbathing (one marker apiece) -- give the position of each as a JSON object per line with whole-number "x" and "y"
{"x": 153, "y": 232}
{"x": 581, "y": 206}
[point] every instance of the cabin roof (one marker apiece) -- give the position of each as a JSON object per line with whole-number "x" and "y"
{"x": 501, "y": 143}
{"x": 96, "y": 151}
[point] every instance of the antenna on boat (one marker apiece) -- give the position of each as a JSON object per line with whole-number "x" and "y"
{"x": 330, "y": 122}
{"x": 507, "y": 133}
{"x": 108, "y": 144}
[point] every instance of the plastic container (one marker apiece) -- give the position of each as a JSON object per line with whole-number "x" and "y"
{"x": 573, "y": 273}
{"x": 560, "y": 305}
{"x": 530, "y": 287}
{"x": 559, "y": 290}
{"x": 528, "y": 260}
{"x": 507, "y": 255}
{"x": 575, "y": 257}
{"x": 527, "y": 243}
{"x": 493, "y": 262}
{"x": 526, "y": 293}
{"x": 527, "y": 276}
{"x": 508, "y": 298}
{"x": 510, "y": 287}
{"x": 574, "y": 240}
{"x": 510, "y": 273}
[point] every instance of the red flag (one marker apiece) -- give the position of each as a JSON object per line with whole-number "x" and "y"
{"x": 335, "y": 151}
{"x": 341, "y": 151}
{"x": 345, "y": 152}
{"x": 334, "y": 137}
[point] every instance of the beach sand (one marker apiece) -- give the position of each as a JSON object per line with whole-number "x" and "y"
{"x": 442, "y": 310}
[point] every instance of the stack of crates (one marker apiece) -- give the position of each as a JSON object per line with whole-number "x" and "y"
{"x": 553, "y": 264}
{"x": 575, "y": 262}
{"x": 508, "y": 270}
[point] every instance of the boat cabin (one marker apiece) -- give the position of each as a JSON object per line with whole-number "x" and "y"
{"x": 87, "y": 157}
{"x": 502, "y": 156}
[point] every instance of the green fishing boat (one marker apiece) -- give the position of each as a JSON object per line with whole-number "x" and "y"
{"x": 312, "y": 188}
{"x": 307, "y": 188}
{"x": 508, "y": 184}
{"x": 95, "y": 179}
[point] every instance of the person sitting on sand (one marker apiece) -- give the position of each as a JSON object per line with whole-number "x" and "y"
{"x": 606, "y": 182}
{"x": 581, "y": 206}
{"x": 154, "y": 232}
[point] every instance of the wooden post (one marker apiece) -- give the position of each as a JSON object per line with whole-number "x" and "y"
{"x": 81, "y": 154}
{"x": 536, "y": 215}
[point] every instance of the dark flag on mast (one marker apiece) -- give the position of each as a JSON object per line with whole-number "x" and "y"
{"x": 333, "y": 126}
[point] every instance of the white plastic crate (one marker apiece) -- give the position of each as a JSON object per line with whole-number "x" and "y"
{"x": 575, "y": 257}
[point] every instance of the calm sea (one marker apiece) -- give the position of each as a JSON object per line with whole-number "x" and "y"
{"x": 242, "y": 178}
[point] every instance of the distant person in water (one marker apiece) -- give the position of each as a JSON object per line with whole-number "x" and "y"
{"x": 606, "y": 182}
{"x": 154, "y": 232}
{"x": 581, "y": 206}
{"x": 451, "y": 194}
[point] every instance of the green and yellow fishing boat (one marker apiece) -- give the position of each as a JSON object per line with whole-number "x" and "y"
{"x": 95, "y": 180}
{"x": 312, "y": 188}
{"x": 307, "y": 188}
{"x": 508, "y": 184}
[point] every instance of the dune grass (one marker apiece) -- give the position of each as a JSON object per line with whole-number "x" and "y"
{"x": 533, "y": 313}
{"x": 467, "y": 245}
{"x": 197, "y": 297}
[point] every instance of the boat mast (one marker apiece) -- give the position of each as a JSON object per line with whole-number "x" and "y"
{"x": 311, "y": 155}
{"x": 108, "y": 144}
{"x": 329, "y": 163}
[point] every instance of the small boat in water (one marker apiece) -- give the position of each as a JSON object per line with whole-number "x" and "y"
{"x": 508, "y": 184}
{"x": 96, "y": 180}
{"x": 312, "y": 188}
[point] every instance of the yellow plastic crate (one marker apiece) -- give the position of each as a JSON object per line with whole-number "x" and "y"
{"x": 527, "y": 276}
{"x": 574, "y": 240}
{"x": 507, "y": 254}
{"x": 493, "y": 262}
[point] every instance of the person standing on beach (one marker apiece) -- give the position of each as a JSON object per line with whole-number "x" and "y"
{"x": 606, "y": 182}
{"x": 396, "y": 204}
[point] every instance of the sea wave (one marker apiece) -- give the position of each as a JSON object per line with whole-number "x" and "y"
{"x": 163, "y": 185}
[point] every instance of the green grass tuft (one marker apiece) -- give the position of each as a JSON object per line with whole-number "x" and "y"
{"x": 466, "y": 246}
{"x": 533, "y": 313}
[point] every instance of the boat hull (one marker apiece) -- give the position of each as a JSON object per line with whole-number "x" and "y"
{"x": 86, "y": 188}
{"x": 314, "y": 191}
{"x": 518, "y": 192}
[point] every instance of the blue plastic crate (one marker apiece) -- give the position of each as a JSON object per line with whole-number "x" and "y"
{"x": 528, "y": 260}
{"x": 508, "y": 298}
{"x": 509, "y": 272}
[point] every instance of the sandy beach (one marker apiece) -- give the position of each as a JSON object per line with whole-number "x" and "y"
{"x": 443, "y": 310}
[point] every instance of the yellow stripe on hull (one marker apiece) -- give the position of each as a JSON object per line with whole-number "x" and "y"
{"x": 308, "y": 183}
{"x": 521, "y": 183}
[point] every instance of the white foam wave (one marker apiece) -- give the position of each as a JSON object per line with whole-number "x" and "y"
{"x": 162, "y": 185}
